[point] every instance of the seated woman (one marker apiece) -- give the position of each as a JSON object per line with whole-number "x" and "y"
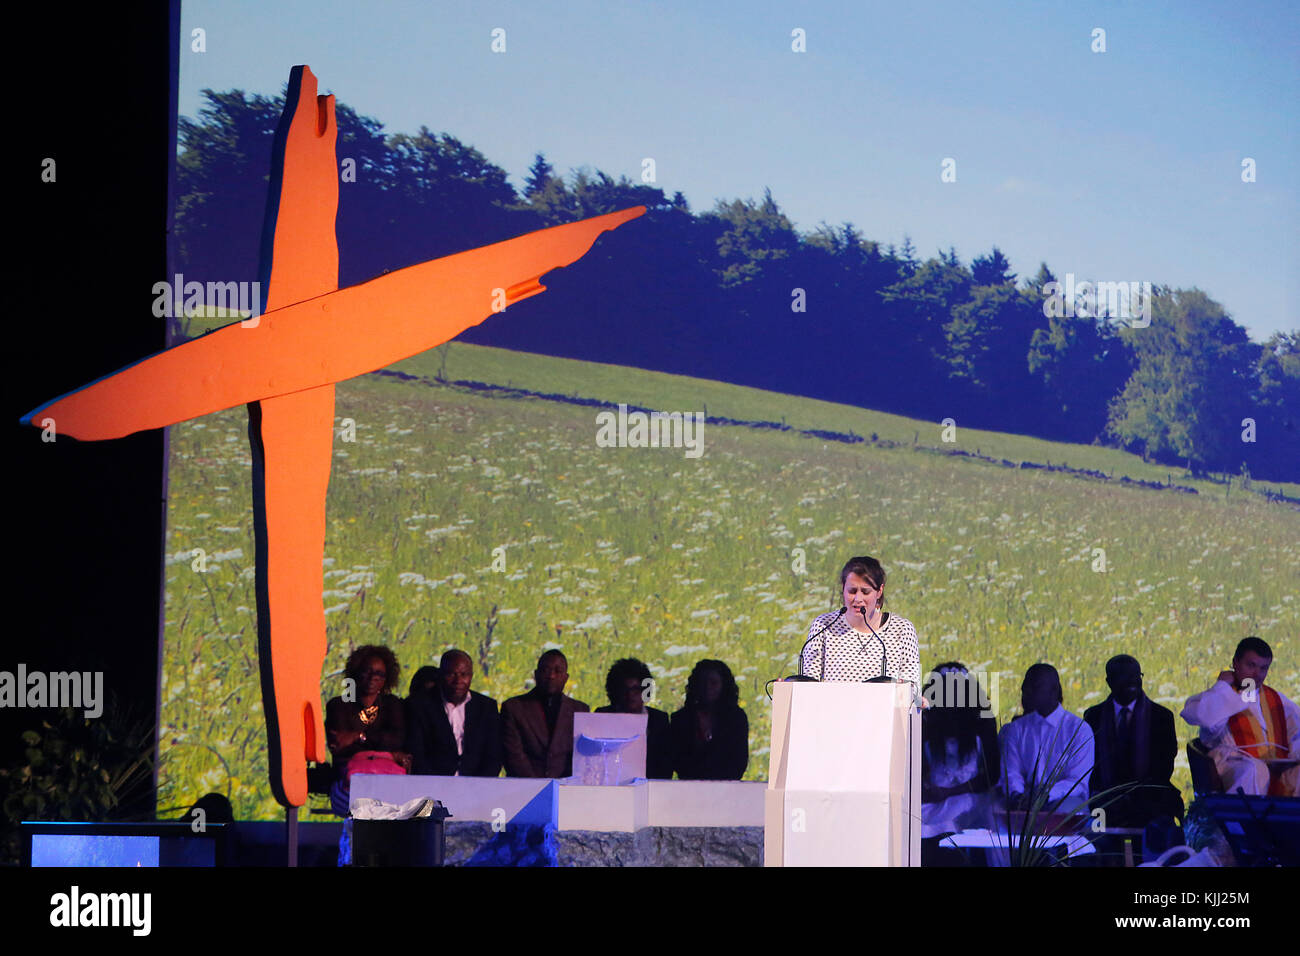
{"x": 626, "y": 686}
{"x": 710, "y": 735}
{"x": 368, "y": 734}
{"x": 423, "y": 681}
{"x": 959, "y": 757}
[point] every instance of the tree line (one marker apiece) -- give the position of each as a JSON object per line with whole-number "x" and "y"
{"x": 739, "y": 295}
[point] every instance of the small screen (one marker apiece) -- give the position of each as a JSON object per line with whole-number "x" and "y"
{"x": 88, "y": 849}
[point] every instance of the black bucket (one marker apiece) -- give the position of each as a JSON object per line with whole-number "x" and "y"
{"x": 420, "y": 841}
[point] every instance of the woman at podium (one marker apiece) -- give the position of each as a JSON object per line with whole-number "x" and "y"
{"x": 846, "y": 645}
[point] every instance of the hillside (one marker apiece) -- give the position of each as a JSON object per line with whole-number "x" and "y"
{"x": 611, "y": 552}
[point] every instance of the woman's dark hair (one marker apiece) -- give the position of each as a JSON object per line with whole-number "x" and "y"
{"x": 621, "y": 671}
{"x": 867, "y": 567}
{"x": 730, "y": 696}
{"x": 358, "y": 658}
{"x": 423, "y": 680}
{"x": 956, "y": 704}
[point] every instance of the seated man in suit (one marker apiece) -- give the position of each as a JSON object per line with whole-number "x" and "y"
{"x": 537, "y": 727}
{"x": 452, "y": 730}
{"x": 1046, "y": 752}
{"x": 630, "y": 686}
{"x": 1135, "y": 745}
{"x": 1251, "y": 730}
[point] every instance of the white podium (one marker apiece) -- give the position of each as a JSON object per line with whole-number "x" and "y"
{"x": 844, "y": 781}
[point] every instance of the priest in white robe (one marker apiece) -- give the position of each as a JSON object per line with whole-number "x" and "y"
{"x": 1251, "y": 730}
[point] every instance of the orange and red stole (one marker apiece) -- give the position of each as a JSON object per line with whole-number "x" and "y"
{"x": 1265, "y": 742}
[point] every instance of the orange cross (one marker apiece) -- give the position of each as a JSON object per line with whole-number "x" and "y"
{"x": 284, "y": 366}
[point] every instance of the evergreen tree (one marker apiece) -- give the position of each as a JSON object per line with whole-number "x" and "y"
{"x": 539, "y": 174}
{"x": 1080, "y": 363}
{"x": 993, "y": 269}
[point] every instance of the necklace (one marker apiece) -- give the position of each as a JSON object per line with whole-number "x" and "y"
{"x": 368, "y": 714}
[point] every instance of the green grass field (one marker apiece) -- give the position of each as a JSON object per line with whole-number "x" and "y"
{"x": 612, "y": 552}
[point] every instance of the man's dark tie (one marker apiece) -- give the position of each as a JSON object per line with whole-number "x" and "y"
{"x": 1124, "y": 745}
{"x": 551, "y": 706}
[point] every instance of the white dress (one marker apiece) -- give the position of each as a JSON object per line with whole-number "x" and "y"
{"x": 963, "y": 811}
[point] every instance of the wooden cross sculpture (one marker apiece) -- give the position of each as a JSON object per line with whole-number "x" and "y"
{"x": 284, "y": 366}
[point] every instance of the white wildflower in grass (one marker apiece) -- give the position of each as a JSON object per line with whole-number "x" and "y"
{"x": 677, "y": 650}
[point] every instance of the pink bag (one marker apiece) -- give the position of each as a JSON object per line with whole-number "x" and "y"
{"x": 372, "y": 761}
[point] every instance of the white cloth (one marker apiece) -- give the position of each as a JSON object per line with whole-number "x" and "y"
{"x": 456, "y": 717}
{"x": 1210, "y": 710}
{"x": 368, "y": 808}
{"x": 1058, "y": 747}
{"x": 855, "y": 655}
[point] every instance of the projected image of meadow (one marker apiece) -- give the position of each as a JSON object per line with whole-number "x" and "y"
{"x": 613, "y": 552}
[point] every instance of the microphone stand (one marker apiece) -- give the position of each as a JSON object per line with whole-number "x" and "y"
{"x": 833, "y": 620}
{"x": 804, "y": 677}
{"x": 884, "y": 677}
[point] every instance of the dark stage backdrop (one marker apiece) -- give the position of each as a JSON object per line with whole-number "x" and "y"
{"x": 84, "y": 252}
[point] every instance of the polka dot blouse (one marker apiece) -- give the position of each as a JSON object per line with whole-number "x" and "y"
{"x": 855, "y": 656}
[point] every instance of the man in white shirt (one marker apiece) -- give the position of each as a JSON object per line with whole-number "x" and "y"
{"x": 1251, "y": 730}
{"x": 1047, "y": 754}
{"x": 450, "y": 729}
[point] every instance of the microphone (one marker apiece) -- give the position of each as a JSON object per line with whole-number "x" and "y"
{"x": 884, "y": 677}
{"x": 812, "y": 637}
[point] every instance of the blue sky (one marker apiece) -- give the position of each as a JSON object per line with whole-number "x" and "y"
{"x": 1120, "y": 166}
